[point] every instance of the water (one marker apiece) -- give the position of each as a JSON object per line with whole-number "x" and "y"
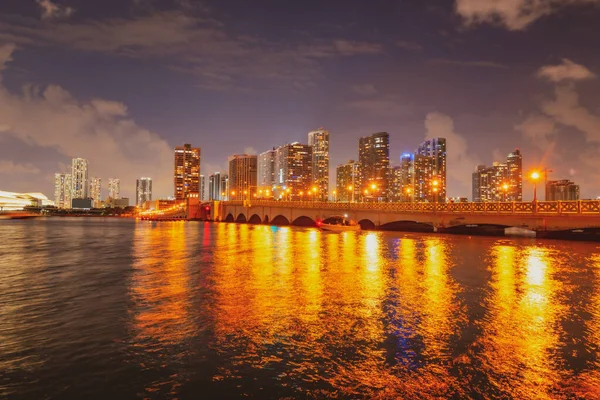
{"x": 94, "y": 308}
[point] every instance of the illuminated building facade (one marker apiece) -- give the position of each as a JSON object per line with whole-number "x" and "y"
{"x": 187, "y": 170}
{"x": 396, "y": 183}
{"x": 374, "y": 159}
{"x": 216, "y": 191}
{"x": 266, "y": 169}
{"x": 319, "y": 141}
{"x": 293, "y": 172}
{"x": 242, "y": 176}
{"x": 143, "y": 191}
{"x": 10, "y": 201}
{"x": 500, "y": 182}
{"x": 435, "y": 148}
{"x": 114, "y": 188}
{"x": 95, "y": 191}
{"x": 348, "y": 181}
{"x": 202, "y": 187}
{"x": 79, "y": 179}
{"x": 406, "y": 177}
{"x": 423, "y": 168}
{"x": 562, "y": 190}
{"x": 62, "y": 190}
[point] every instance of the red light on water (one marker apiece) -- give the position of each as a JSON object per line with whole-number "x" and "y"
{"x": 319, "y": 222}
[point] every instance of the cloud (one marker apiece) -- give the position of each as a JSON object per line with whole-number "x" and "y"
{"x": 406, "y": 45}
{"x": 481, "y": 64}
{"x": 539, "y": 129}
{"x": 6, "y": 52}
{"x": 52, "y": 10}
{"x": 250, "y": 150}
{"x": 512, "y": 14}
{"x": 366, "y": 89}
{"x": 11, "y": 168}
{"x": 195, "y": 43}
{"x": 460, "y": 164}
{"x": 568, "y": 70}
{"x": 99, "y": 130}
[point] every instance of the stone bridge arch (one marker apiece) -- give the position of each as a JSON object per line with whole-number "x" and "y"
{"x": 407, "y": 226}
{"x": 304, "y": 221}
{"x": 241, "y": 218}
{"x": 255, "y": 219}
{"x": 229, "y": 218}
{"x": 280, "y": 220}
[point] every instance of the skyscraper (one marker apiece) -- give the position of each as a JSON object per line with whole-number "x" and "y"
{"x": 202, "y": 187}
{"x": 293, "y": 172}
{"x": 187, "y": 171}
{"x": 79, "y": 179}
{"x": 396, "y": 183}
{"x": 319, "y": 141}
{"x": 436, "y": 149}
{"x": 562, "y": 190}
{"x": 374, "y": 159}
{"x": 266, "y": 169}
{"x": 407, "y": 176}
{"x": 62, "y": 190}
{"x": 242, "y": 176}
{"x": 514, "y": 163}
{"x": 114, "y": 188}
{"x": 143, "y": 191}
{"x": 96, "y": 191}
{"x": 422, "y": 173}
{"x": 348, "y": 181}
{"x": 215, "y": 191}
{"x": 500, "y": 182}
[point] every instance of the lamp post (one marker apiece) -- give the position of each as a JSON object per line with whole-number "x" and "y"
{"x": 408, "y": 192}
{"x": 505, "y": 188}
{"x": 334, "y": 195}
{"x": 535, "y": 176}
{"x": 351, "y": 190}
{"x": 314, "y": 193}
{"x": 435, "y": 190}
{"x": 373, "y": 189}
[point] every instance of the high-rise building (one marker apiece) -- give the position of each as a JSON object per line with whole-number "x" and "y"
{"x": 396, "y": 183}
{"x": 436, "y": 149}
{"x": 407, "y": 176}
{"x": 374, "y": 159}
{"x": 143, "y": 191}
{"x": 202, "y": 188}
{"x": 95, "y": 191}
{"x": 293, "y": 173}
{"x": 225, "y": 194}
{"x": 114, "y": 188}
{"x": 514, "y": 163}
{"x": 266, "y": 170}
{"x": 319, "y": 141}
{"x": 187, "y": 171}
{"x": 62, "y": 190}
{"x": 79, "y": 179}
{"x": 215, "y": 190}
{"x": 422, "y": 183}
{"x": 348, "y": 181}
{"x": 242, "y": 176}
{"x": 562, "y": 190}
{"x": 500, "y": 182}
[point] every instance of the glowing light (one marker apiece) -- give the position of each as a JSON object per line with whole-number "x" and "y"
{"x": 535, "y": 175}
{"x": 373, "y": 187}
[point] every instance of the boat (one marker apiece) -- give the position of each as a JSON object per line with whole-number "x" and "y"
{"x": 338, "y": 224}
{"x": 17, "y": 215}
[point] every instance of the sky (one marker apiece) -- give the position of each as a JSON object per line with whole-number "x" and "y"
{"x": 122, "y": 82}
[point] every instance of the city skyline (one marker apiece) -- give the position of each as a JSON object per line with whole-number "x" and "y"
{"x": 482, "y": 79}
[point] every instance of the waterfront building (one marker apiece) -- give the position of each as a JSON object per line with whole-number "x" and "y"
{"x": 62, "y": 190}
{"x": 202, "y": 188}
{"x": 114, "y": 188}
{"x": 500, "y": 182}
{"x": 242, "y": 176}
{"x": 143, "y": 191}
{"x": 374, "y": 159}
{"x": 407, "y": 177}
{"x": 215, "y": 190}
{"x": 96, "y": 191}
{"x": 266, "y": 172}
{"x": 423, "y": 188}
{"x": 10, "y": 201}
{"x": 396, "y": 183}
{"x": 435, "y": 148}
{"x": 562, "y": 190}
{"x": 79, "y": 179}
{"x": 224, "y": 187}
{"x": 187, "y": 170}
{"x": 293, "y": 173}
{"x": 348, "y": 181}
{"x": 319, "y": 141}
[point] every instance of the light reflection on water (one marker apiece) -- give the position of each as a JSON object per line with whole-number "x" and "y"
{"x": 101, "y": 308}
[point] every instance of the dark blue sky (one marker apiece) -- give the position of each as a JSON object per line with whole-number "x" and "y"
{"x": 121, "y": 82}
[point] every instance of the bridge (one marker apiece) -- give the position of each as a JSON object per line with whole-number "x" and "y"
{"x": 554, "y": 219}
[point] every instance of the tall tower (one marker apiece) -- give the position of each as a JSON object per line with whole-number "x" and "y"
{"x": 514, "y": 163}
{"x": 374, "y": 159}
{"x": 62, "y": 190}
{"x": 214, "y": 187}
{"x": 143, "y": 191}
{"x": 436, "y": 149}
{"x": 242, "y": 176}
{"x": 187, "y": 170}
{"x": 95, "y": 190}
{"x": 348, "y": 181}
{"x": 319, "y": 141}
{"x": 293, "y": 172}
{"x": 79, "y": 179}
{"x": 114, "y": 188}
{"x": 407, "y": 177}
{"x": 266, "y": 169}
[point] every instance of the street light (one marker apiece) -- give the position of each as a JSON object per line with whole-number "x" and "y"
{"x": 351, "y": 189}
{"x": 408, "y": 192}
{"x": 505, "y": 188}
{"x": 535, "y": 176}
{"x": 334, "y": 195}
{"x": 435, "y": 189}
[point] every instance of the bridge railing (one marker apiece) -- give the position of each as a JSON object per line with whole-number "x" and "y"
{"x": 539, "y": 207}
